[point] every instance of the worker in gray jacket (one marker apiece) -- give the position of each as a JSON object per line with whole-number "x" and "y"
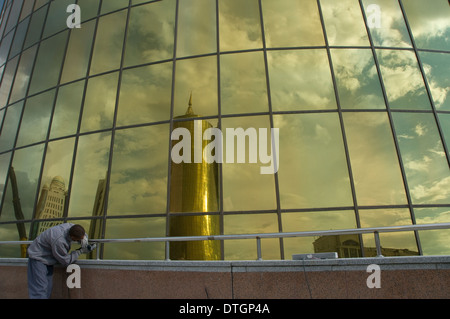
{"x": 49, "y": 248}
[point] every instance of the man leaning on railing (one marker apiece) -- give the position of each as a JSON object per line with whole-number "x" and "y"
{"x": 49, "y": 248}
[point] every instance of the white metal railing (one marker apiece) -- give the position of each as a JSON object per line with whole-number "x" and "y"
{"x": 258, "y": 237}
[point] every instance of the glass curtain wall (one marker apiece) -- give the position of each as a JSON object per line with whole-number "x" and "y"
{"x": 359, "y": 91}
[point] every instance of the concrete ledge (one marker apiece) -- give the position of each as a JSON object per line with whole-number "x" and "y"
{"x": 401, "y": 277}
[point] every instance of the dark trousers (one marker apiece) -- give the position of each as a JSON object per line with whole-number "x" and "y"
{"x": 40, "y": 279}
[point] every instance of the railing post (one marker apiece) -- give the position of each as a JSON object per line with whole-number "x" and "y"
{"x": 167, "y": 250}
{"x": 97, "y": 253}
{"x": 258, "y": 247}
{"x": 377, "y": 243}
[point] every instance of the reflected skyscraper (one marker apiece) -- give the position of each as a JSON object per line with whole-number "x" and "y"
{"x": 50, "y": 205}
{"x": 194, "y": 189}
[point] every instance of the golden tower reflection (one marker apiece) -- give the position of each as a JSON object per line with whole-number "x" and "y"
{"x": 194, "y": 189}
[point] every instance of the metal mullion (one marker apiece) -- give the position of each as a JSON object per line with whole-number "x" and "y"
{"x": 113, "y": 129}
{"x": 392, "y": 125}
{"x": 432, "y": 50}
{"x": 272, "y": 141}
{"x": 169, "y": 158}
{"x": 341, "y": 121}
{"x": 425, "y": 81}
{"x": 219, "y": 125}
{"x": 51, "y": 116}
{"x": 78, "y": 134}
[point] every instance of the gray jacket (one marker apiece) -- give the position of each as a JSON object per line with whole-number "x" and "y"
{"x": 53, "y": 246}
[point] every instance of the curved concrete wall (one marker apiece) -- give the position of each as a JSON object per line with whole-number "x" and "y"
{"x": 399, "y": 277}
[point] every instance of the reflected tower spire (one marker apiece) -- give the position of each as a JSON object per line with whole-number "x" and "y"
{"x": 194, "y": 189}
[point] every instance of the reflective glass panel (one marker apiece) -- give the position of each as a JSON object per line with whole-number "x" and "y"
{"x": 139, "y": 171}
{"x": 243, "y": 81}
{"x": 344, "y": 23}
{"x": 245, "y": 249}
{"x": 26, "y": 9}
{"x": 67, "y": 110}
{"x": 26, "y": 167}
{"x": 112, "y": 5}
{"x": 4, "y": 20}
{"x": 244, "y": 187}
{"x": 89, "y": 8}
{"x": 145, "y": 94}
{"x": 10, "y": 126}
{"x": 40, "y": 3}
{"x": 423, "y": 156}
{"x": 150, "y": 33}
{"x": 300, "y": 80}
{"x": 392, "y": 244}
{"x": 299, "y": 245}
{"x": 23, "y": 74}
{"x": 108, "y": 42}
{"x": 91, "y": 166}
{"x": 444, "y": 120}
{"x": 135, "y": 228}
{"x": 386, "y": 23}
{"x": 16, "y": 6}
{"x": 58, "y": 162}
{"x": 13, "y": 232}
{"x": 317, "y": 221}
{"x": 357, "y": 79}
{"x": 384, "y": 217}
{"x": 35, "y": 28}
{"x": 36, "y": 118}
{"x": 239, "y": 25}
{"x": 78, "y": 51}
{"x": 19, "y": 37}
{"x": 48, "y": 63}
{"x": 429, "y": 23}
{"x": 434, "y": 242}
{"x": 4, "y": 167}
{"x": 56, "y": 17}
{"x": 199, "y": 77}
{"x": 8, "y": 77}
{"x": 100, "y": 101}
{"x": 312, "y": 221}
{"x": 346, "y": 246}
{"x": 196, "y": 35}
{"x": 378, "y": 180}
{"x": 403, "y": 81}
{"x": 313, "y": 169}
{"x": 292, "y": 23}
{"x": 437, "y": 69}
{"x": 5, "y": 47}
{"x": 55, "y": 180}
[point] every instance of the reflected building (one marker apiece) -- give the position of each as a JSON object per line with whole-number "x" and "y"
{"x": 348, "y": 246}
{"x": 51, "y": 205}
{"x": 194, "y": 192}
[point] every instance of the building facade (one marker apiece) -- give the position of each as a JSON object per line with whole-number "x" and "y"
{"x": 358, "y": 90}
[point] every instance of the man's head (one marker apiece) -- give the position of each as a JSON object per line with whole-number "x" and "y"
{"x": 76, "y": 232}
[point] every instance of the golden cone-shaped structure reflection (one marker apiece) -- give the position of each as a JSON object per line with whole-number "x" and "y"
{"x": 193, "y": 189}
